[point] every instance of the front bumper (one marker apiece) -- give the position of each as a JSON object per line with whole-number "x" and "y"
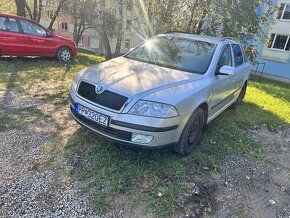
{"x": 165, "y": 132}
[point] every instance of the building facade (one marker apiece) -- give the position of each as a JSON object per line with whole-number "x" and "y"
{"x": 91, "y": 40}
{"x": 275, "y": 56}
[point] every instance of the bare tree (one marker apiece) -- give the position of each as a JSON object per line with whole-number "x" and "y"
{"x": 20, "y": 7}
{"x": 56, "y": 13}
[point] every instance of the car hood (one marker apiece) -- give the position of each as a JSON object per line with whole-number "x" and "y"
{"x": 136, "y": 78}
{"x": 63, "y": 39}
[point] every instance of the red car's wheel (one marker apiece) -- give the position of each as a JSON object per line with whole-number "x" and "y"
{"x": 64, "y": 54}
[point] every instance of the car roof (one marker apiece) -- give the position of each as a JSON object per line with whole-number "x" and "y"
{"x": 210, "y": 39}
{"x": 19, "y": 17}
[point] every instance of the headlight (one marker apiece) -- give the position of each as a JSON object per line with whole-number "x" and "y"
{"x": 153, "y": 109}
{"x": 77, "y": 78}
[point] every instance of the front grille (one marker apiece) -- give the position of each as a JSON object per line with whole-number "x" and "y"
{"x": 107, "y": 98}
{"x": 119, "y": 134}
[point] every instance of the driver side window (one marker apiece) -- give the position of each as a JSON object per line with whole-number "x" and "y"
{"x": 33, "y": 29}
{"x": 226, "y": 58}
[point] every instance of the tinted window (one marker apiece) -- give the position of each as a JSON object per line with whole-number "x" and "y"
{"x": 175, "y": 52}
{"x": 226, "y": 58}
{"x": 271, "y": 41}
{"x": 286, "y": 12}
{"x": 245, "y": 56}
{"x": 238, "y": 55}
{"x": 280, "y": 42}
{"x": 8, "y": 24}
{"x": 280, "y": 12}
{"x": 33, "y": 29}
{"x": 288, "y": 45}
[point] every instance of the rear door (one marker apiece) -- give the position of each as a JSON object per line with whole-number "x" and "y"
{"x": 38, "y": 42}
{"x": 11, "y": 39}
{"x": 241, "y": 67}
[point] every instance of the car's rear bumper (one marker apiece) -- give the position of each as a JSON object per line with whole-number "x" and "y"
{"x": 122, "y": 126}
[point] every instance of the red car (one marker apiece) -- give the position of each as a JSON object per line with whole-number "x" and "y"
{"x": 23, "y": 37}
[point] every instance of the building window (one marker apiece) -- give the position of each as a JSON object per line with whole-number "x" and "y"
{"x": 49, "y": 14}
{"x": 281, "y": 42}
{"x": 81, "y": 41}
{"x": 128, "y": 25}
{"x": 64, "y": 26}
{"x": 127, "y": 43}
{"x": 284, "y": 12}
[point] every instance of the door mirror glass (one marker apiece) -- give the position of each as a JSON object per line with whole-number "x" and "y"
{"x": 227, "y": 71}
{"x": 49, "y": 34}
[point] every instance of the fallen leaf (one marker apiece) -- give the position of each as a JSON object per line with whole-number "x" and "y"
{"x": 205, "y": 168}
{"x": 159, "y": 194}
{"x": 272, "y": 201}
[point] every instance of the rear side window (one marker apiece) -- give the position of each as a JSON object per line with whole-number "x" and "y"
{"x": 246, "y": 59}
{"x": 8, "y": 24}
{"x": 226, "y": 58}
{"x": 238, "y": 55}
{"x": 33, "y": 29}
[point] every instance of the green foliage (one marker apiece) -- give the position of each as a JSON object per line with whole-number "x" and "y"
{"x": 234, "y": 18}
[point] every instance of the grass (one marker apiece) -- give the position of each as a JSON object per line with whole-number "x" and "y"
{"x": 109, "y": 170}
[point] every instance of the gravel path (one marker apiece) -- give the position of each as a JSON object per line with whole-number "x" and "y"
{"x": 27, "y": 189}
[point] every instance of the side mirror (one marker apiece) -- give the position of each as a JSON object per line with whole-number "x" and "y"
{"x": 226, "y": 71}
{"x": 49, "y": 34}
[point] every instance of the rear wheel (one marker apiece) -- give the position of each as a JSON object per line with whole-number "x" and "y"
{"x": 191, "y": 133}
{"x": 64, "y": 54}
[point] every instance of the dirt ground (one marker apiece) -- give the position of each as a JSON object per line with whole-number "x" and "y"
{"x": 246, "y": 187}
{"x": 243, "y": 188}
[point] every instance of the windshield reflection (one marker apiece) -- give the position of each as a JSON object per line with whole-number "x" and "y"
{"x": 176, "y": 53}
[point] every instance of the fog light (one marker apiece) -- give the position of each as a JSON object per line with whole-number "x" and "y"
{"x": 142, "y": 139}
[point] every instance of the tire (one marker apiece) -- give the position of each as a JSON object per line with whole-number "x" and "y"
{"x": 191, "y": 133}
{"x": 64, "y": 54}
{"x": 241, "y": 96}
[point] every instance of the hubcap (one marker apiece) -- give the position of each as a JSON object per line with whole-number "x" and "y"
{"x": 65, "y": 55}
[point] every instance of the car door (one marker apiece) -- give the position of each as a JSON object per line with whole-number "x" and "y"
{"x": 241, "y": 68}
{"x": 38, "y": 41}
{"x": 11, "y": 39}
{"x": 222, "y": 89}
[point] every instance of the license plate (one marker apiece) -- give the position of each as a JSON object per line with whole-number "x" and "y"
{"x": 92, "y": 115}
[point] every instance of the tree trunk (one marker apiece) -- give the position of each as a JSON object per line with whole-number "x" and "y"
{"x": 29, "y": 11}
{"x": 56, "y": 14}
{"x": 108, "y": 52}
{"x": 20, "y": 7}
{"x": 118, "y": 45}
{"x": 35, "y": 10}
{"x": 120, "y": 27}
{"x": 39, "y": 11}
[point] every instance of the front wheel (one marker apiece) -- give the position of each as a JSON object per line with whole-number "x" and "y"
{"x": 64, "y": 54}
{"x": 191, "y": 133}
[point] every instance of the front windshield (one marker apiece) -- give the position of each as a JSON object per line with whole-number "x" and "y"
{"x": 177, "y": 53}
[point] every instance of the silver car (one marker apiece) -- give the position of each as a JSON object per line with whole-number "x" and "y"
{"x": 163, "y": 92}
